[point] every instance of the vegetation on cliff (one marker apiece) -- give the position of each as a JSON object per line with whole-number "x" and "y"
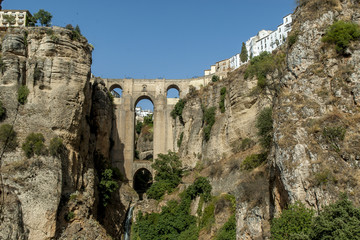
{"x": 340, "y": 220}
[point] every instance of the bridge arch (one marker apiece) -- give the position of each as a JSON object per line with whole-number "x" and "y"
{"x": 142, "y": 181}
{"x": 142, "y": 97}
{"x": 116, "y": 90}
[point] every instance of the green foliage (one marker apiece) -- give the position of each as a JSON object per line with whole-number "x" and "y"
{"x": 293, "y": 222}
{"x": 208, "y": 216}
{"x": 209, "y": 120}
{"x": 111, "y": 97}
{"x": 138, "y": 127}
{"x": 107, "y": 185}
{"x": 215, "y": 78}
{"x": 179, "y": 141}
{"x": 340, "y": 220}
{"x": 228, "y": 230}
{"x": 324, "y": 176}
{"x": 148, "y": 120}
{"x": 168, "y": 175}
{"x": 244, "y": 53}
{"x": 334, "y": 135}
{"x": 201, "y": 187}
{"x": 75, "y": 32}
{"x": 9, "y": 18}
{"x": 246, "y": 143}
{"x": 292, "y": 39}
{"x": 262, "y": 65}
{"x": 264, "y": 124}
{"x": 178, "y": 109}
{"x": 2, "y": 111}
{"x": 56, "y": 146}
{"x": 342, "y": 34}
{"x": 8, "y": 137}
{"x": 34, "y": 144}
{"x": 69, "y": 216}
{"x": 222, "y": 99}
{"x": 44, "y": 17}
{"x": 253, "y": 161}
{"x": 23, "y": 93}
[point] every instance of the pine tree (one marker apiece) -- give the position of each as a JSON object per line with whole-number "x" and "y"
{"x": 244, "y": 53}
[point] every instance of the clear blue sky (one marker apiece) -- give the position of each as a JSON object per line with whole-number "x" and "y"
{"x": 161, "y": 38}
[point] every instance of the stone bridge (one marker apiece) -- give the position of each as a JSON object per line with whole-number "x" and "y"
{"x": 134, "y": 90}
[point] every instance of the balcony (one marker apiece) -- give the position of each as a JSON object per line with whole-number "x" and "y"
{"x": 21, "y": 15}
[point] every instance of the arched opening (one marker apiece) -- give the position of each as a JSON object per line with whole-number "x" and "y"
{"x": 173, "y": 91}
{"x": 142, "y": 181}
{"x": 144, "y": 129}
{"x": 116, "y": 90}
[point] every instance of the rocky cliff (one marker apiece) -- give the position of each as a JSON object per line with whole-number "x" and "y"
{"x": 62, "y": 102}
{"x": 313, "y": 92}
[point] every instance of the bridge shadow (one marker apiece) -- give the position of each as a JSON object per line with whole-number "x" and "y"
{"x": 117, "y": 149}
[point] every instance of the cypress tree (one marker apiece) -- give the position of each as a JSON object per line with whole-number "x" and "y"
{"x": 244, "y": 53}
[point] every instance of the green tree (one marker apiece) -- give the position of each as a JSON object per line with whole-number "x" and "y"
{"x": 264, "y": 124}
{"x": 178, "y": 109}
{"x": 138, "y": 127}
{"x": 340, "y": 220}
{"x": 168, "y": 174}
{"x": 8, "y": 137}
{"x": 34, "y": 144}
{"x": 44, "y": 17}
{"x": 293, "y": 222}
{"x": 244, "y": 53}
{"x": 107, "y": 185}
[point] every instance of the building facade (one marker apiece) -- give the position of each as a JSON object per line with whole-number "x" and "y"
{"x": 14, "y": 18}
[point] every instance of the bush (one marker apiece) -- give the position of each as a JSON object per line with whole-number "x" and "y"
{"x": 246, "y": 143}
{"x": 262, "y": 65}
{"x": 293, "y": 222}
{"x": 23, "y": 93}
{"x": 342, "y": 34}
{"x": 215, "y": 78}
{"x": 201, "y": 187}
{"x": 340, "y": 220}
{"x": 34, "y": 144}
{"x": 148, "y": 120}
{"x": 264, "y": 124}
{"x": 228, "y": 230}
{"x": 222, "y": 99}
{"x": 56, "y": 146}
{"x": 2, "y": 111}
{"x": 178, "y": 109}
{"x": 107, "y": 185}
{"x": 69, "y": 216}
{"x": 334, "y": 135}
{"x": 292, "y": 39}
{"x": 138, "y": 127}
{"x": 8, "y": 137}
{"x": 179, "y": 141}
{"x": 253, "y": 161}
{"x": 168, "y": 175}
{"x": 209, "y": 120}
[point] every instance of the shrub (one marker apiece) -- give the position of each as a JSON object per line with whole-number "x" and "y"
{"x": 69, "y": 216}
{"x": 107, "y": 185}
{"x": 334, "y": 135}
{"x": 8, "y": 137}
{"x": 2, "y": 111}
{"x": 201, "y": 187}
{"x": 179, "y": 141}
{"x": 168, "y": 174}
{"x": 209, "y": 120}
{"x": 264, "y": 124}
{"x": 246, "y": 143}
{"x": 23, "y": 93}
{"x": 340, "y": 220}
{"x": 262, "y": 65}
{"x": 178, "y": 109}
{"x": 148, "y": 120}
{"x": 228, "y": 230}
{"x": 341, "y": 34}
{"x": 215, "y": 78}
{"x": 34, "y": 144}
{"x": 222, "y": 99}
{"x": 56, "y": 146}
{"x": 293, "y": 222}
{"x": 253, "y": 161}
{"x": 138, "y": 127}
{"x": 292, "y": 39}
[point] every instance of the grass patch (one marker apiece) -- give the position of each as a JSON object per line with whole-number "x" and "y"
{"x": 334, "y": 135}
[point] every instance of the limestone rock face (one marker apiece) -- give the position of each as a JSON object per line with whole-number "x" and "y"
{"x": 56, "y": 70}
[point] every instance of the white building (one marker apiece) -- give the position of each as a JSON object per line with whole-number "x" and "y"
{"x": 265, "y": 40}
{"x": 142, "y": 113}
{"x": 14, "y": 18}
